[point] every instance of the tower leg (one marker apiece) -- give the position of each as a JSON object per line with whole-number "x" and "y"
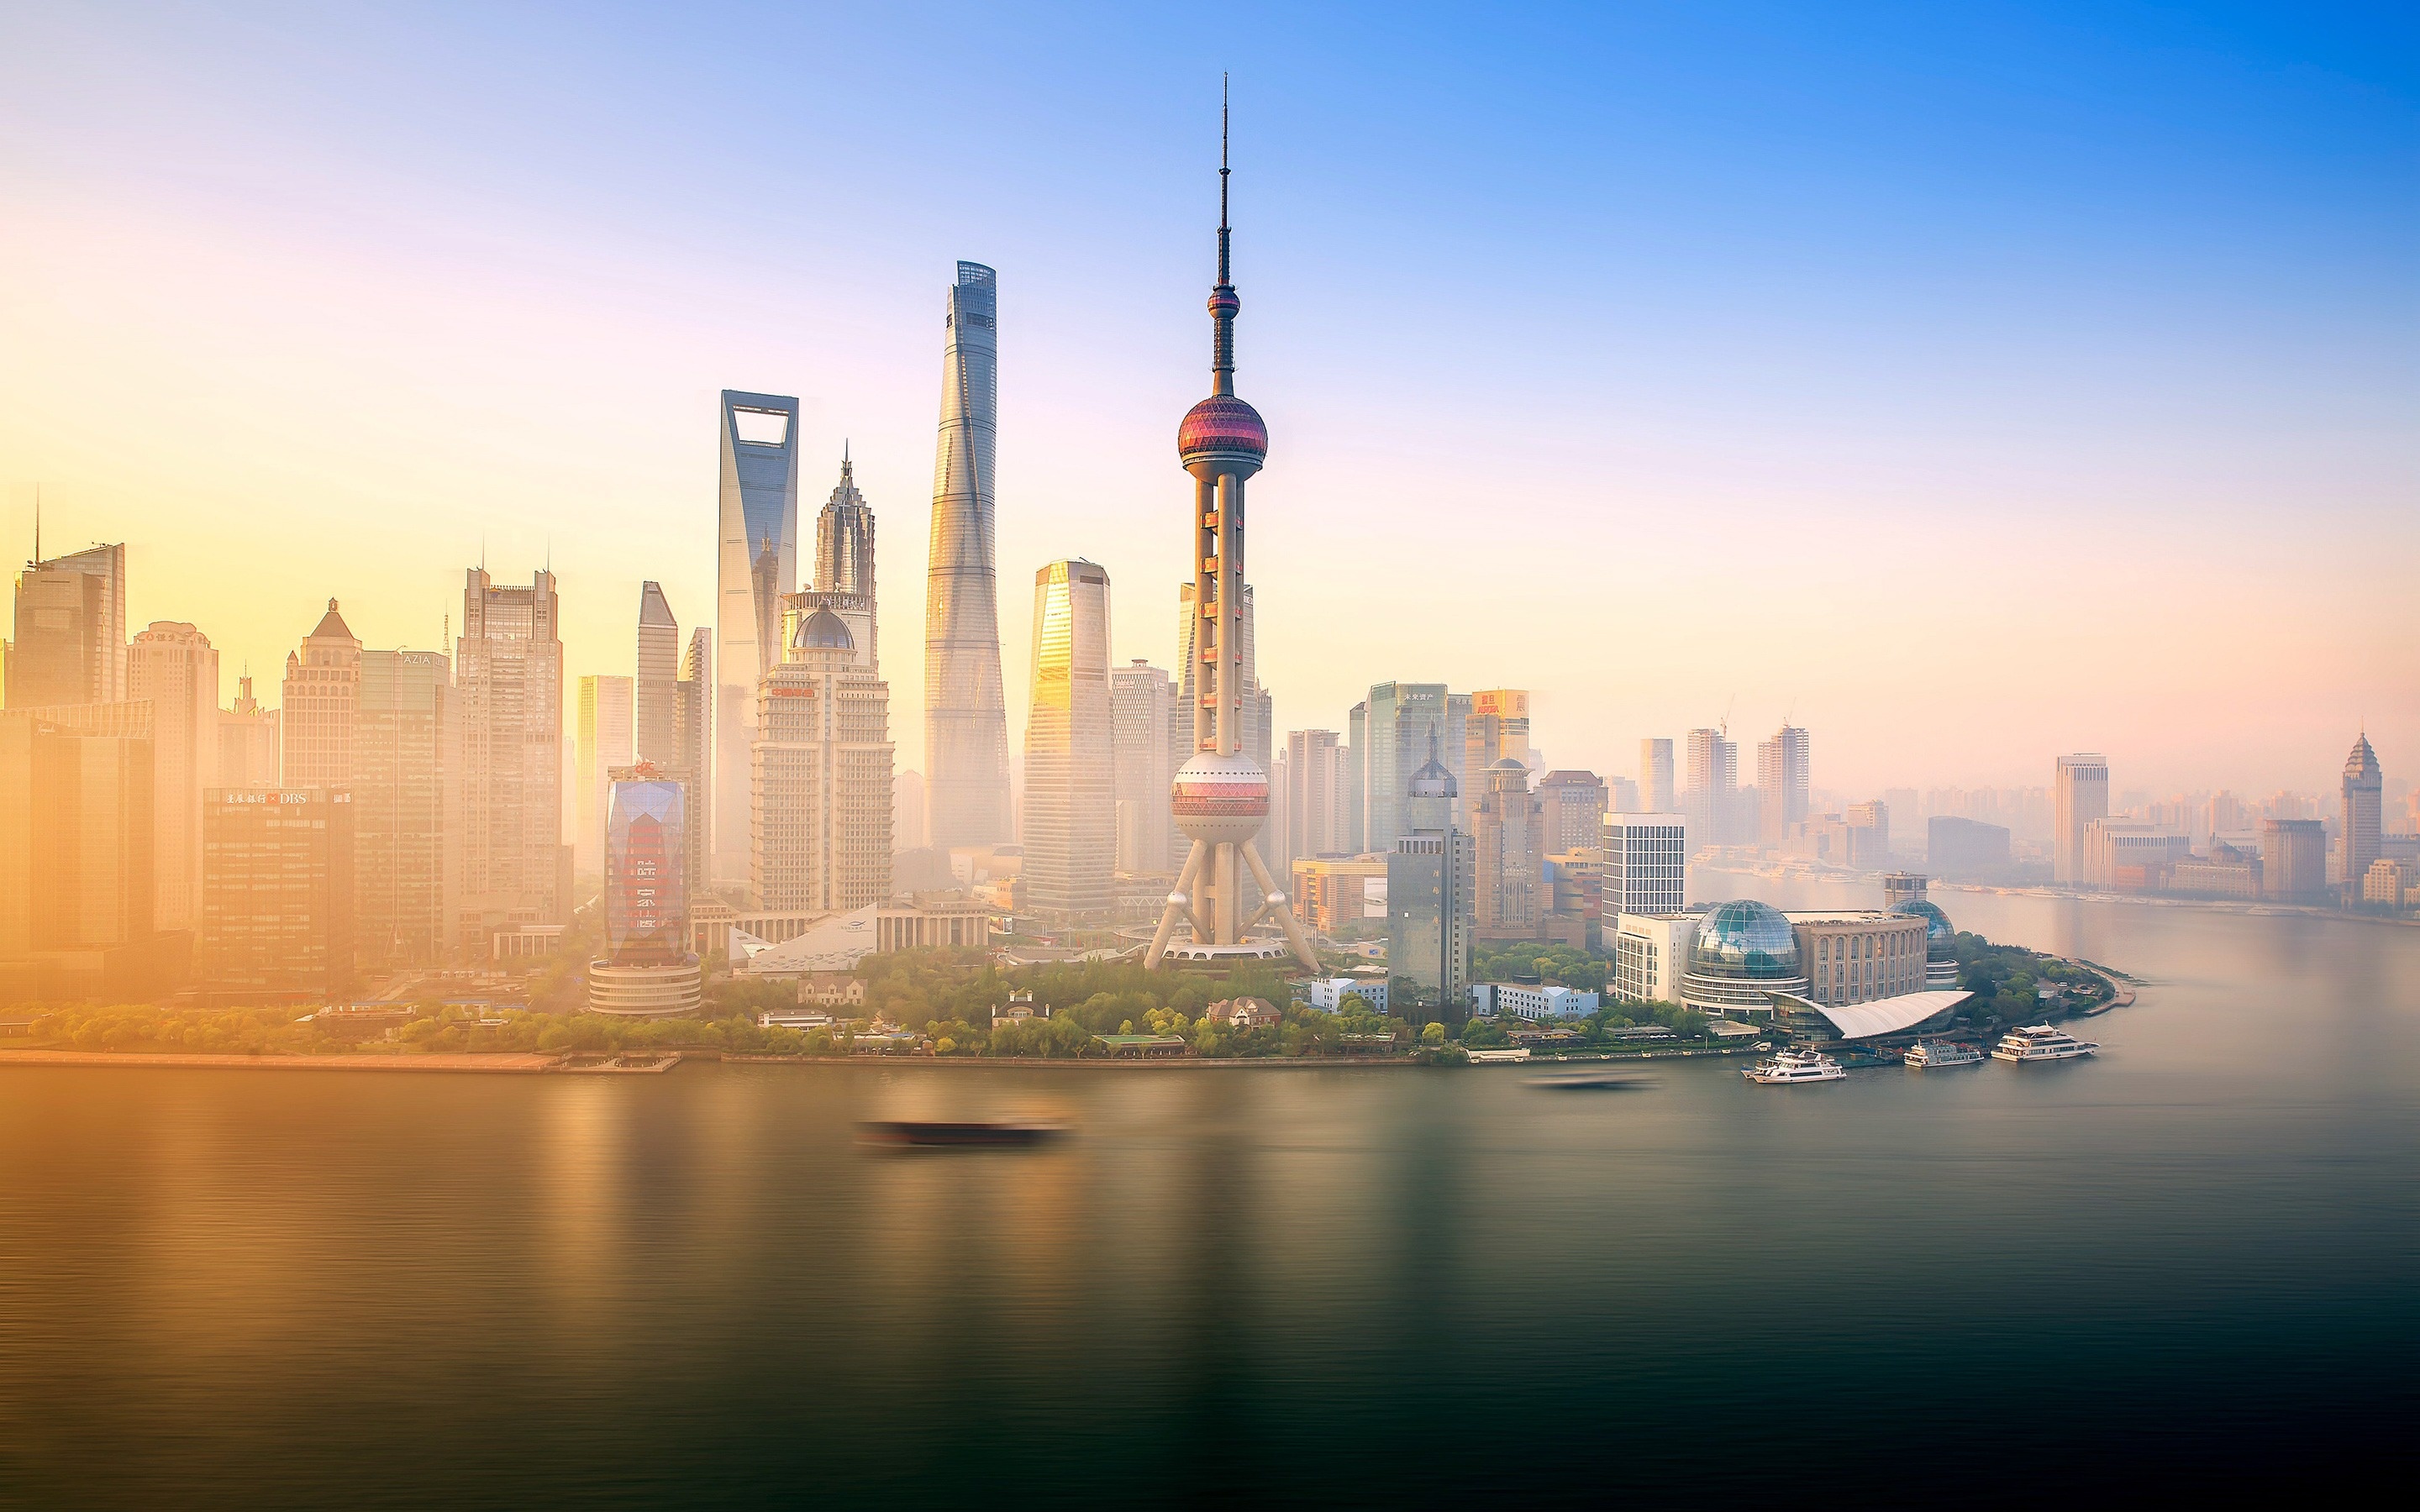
{"x": 1223, "y": 904}
{"x": 1293, "y": 929}
{"x": 1168, "y": 915}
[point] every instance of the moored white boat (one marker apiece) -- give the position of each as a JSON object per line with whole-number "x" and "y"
{"x": 1796, "y": 1065}
{"x": 1933, "y": 1055}
{"x": 2039, "y": 1041}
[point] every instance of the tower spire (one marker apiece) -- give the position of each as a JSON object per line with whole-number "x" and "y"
{"x": 1223, "y": 303}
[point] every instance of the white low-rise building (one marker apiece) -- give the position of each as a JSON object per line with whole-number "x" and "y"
{"x": 1532, "y": 1000}
{"x": 1328, "y": 993}
{"x": 1650, "y": 954}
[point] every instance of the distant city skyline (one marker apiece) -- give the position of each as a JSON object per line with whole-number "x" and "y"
{"x": 2001, "y": 344}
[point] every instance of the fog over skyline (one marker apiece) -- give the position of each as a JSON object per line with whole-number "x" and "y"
{"x": 1970, "y": 389}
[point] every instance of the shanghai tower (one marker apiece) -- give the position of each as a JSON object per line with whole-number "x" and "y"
{"x": 966, "y": 716}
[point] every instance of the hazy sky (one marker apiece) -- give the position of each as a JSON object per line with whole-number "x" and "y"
{"x": 1969, "y": 383}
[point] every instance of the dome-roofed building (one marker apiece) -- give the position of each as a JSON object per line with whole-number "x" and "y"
{"x": 1940, "y": 951}
{"x": 1744, "y": 950}
{"x": 823, "y": 630}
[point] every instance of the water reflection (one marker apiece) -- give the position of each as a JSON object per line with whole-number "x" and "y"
{"x": 262, "y": 1287}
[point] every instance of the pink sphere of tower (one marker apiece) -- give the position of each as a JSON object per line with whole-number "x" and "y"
{"x": 1220, "y": 800}
{"x": 1222, "y": 434}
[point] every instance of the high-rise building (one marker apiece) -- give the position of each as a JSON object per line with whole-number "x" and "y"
{"x": 405, "y": 822}
{"x": 1868, "y": 834}
{"x": 172, "y": 667}
{"x": 1315, "y": 772}
{"x": 1781, "y": 771}
{"x": 322, "y": 701}
{"x": 1431, "y": 879}
{"x": 1143, "y": 704}
{"x": 1572, "y": 807}
{"x": 1655, "y": 792}
{"x": 757, "y": 562}
{"x": 1646, "y": 863}
{"x": 1401, "y": 721}
{"x": 508, "y": 680}
{"x": 1498, "y": 726}
{"x": 2079, "y": 795}
{"x": 820, "y": 809}
{"x": 1221, "y": 794}
{"x": 70, "y": 639}
{"x": 2363, "y": 812}
{"x": 1070, "y": 821}
{"x": 693, "y": 745}
{"x": 843, "y": 575}
{"x": 647, "y": 969}
{"x": 1511, "y": 862}
{"x": 76, "y": 815}
{"x": 606, "y": 725}
{"x": 966, "y": 714}
{"x": 1964, "y": 849}
{"x": 2294, "y": 859}
{"x": 906, "y": 813}
{"x": 1710, "y": 801}
{"x": 656, "y": 698}
{"x": 278, "y": 893}
{"x": 252, "y": 741}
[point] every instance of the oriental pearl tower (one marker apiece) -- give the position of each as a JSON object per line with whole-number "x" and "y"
{"x": 1220, "y": 797}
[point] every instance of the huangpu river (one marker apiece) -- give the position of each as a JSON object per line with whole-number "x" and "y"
{"x": 2189, "y": 1264}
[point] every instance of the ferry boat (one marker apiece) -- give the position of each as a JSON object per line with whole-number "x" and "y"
{"x": 2039, "y": 1041}
{"x": 905, "y": 1134}
{"x": 1796, "y": 1065}
{"x": 1933, "y": 1055}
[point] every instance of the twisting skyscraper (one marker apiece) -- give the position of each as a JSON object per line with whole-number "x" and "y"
{"x": 1221, "y": 795}
{"x": 966, "y": 716}
{"x": 757, "y": 563}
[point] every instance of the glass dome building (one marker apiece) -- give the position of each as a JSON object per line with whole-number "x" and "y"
{"x": 1745, "y": 950}
{"x": 1940, "y": 956}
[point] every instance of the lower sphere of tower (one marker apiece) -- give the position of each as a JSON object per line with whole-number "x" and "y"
{"x": 1220, "y": 800}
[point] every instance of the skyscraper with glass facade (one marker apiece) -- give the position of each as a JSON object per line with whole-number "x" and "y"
{"x": 1070, "y": 829}
{"x": 966, "y": 713}
{"x": 757, "y": 562}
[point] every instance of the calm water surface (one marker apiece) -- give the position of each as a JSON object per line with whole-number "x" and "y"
{"x": 2194, "y": 1256}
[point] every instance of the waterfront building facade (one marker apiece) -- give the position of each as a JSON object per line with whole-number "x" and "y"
{"x": 1650, "y": 954}
{"x": 1506, "y": 826}
{"x": 2363, "y": 813}
{"x": 1401, "y": 720}
{"x": 322, "y": 703}
{"x": 1498, "y": 726}
{"x": 1070, "y": 819}
{"x": 172, "y": 667}
{"x": 756, "y": 562}
{"x": 820, "y": 809}
{"x": 1964, "y": 849}
{"x": 1744, "y": 950}
{"x": 1858, "y": 956}
{"x": 2079, "y": 795}
{"x": 1646, "y": 863}
{"x": 647, "y": 969}
{"x": 2126, "y": 856}
{"x": 1432, "y": 879}
{"x": 966, "y": 714}
{"x": 2294, "y": 859}
{"x": 1316, "y": 761}
{"x": 1334, "y": 894}
{"x": 76, "y": 816}
{"x": 278, "y": 891}
{"x": 508, "y": 680}
{"x": 405, "y": 859}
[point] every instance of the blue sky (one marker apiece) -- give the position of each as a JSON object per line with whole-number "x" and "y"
{"x": 1971, "y": 383}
